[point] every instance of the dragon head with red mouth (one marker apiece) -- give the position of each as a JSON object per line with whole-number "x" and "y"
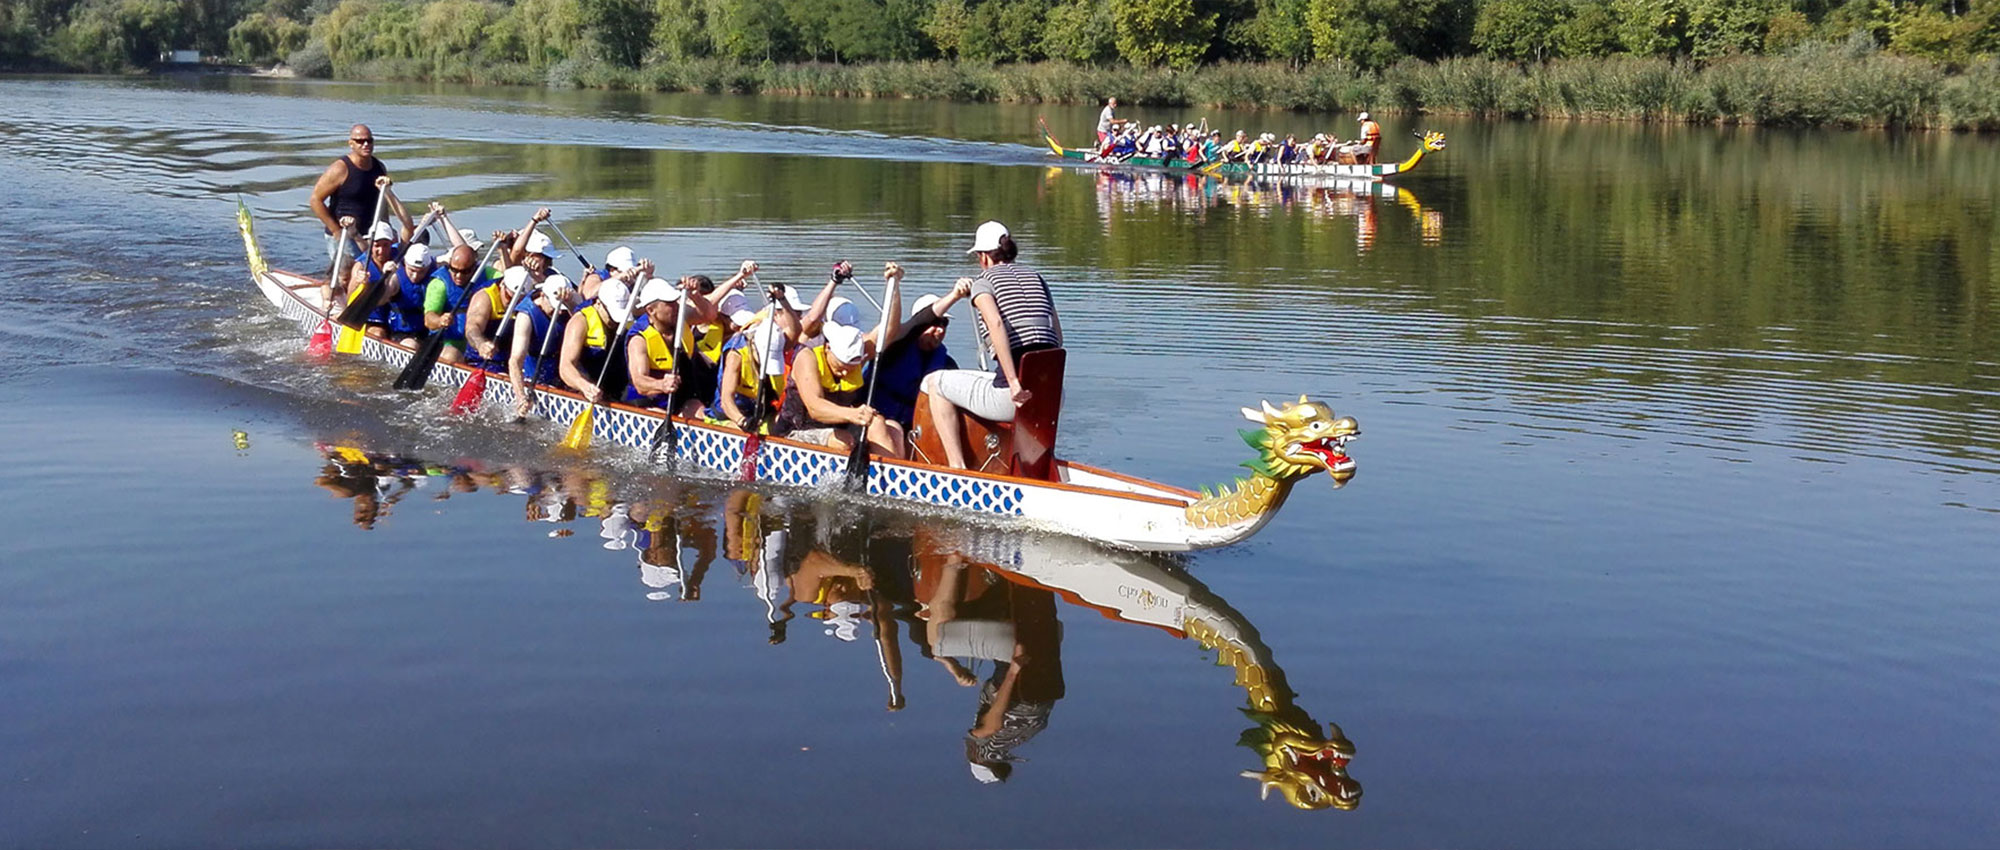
{"x": 1299, "y": 439}
{"x": 1309, "y": 770}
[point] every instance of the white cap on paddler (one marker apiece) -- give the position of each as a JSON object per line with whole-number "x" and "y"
{"x": 539, "y": 243}
{"x": 987, "y": 238}
{"x": 471, "y": 237}
{"x": 737, "y": 307}
{"x": 514, "y": 278}
{"x": 621, "y": 259}
{"x": 927, "y": 301}
{"x": 382, "y": 232}
{"x": 553, "y": 287}
{"x": 418, "y": 254}
{"x": 845, "y": 344}
{"x": 655, "y": 291}
{"x": 843, "y": 312}
{"x": 1364, "y": 116}
{"x": 614, "y": 295}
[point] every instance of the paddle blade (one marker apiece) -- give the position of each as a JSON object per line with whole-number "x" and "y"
{"x": 469, "y": 396}
{"x": 857, "y": 465}
{"x": 320, "y": 345}
{"x": 751, "y": 446}
{"x": 417, "y": 372}
{"x": 666, "y": 437}
{"x": 578, "y": 438}
{"x": 347, "y": 340}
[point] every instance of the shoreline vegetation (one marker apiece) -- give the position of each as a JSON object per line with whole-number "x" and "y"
{"x": 1917, "y": 64}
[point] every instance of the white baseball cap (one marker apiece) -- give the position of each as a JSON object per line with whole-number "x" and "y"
{"x": 539, "y": 243}
{"x": 987, "y": 238}
{"x": 382, "y": 232}
{"x": 927, "y": 301}
{"x": 845, "y": 344}
{"x": 656, "y": 291}
{"x": 737, "y": 308}
{"x": 1364, "y": 116}
{"x": 842, "y": 311}
{"x": 418, "y": 254}
{"x": 514, "y": 278}
{"x": 471, "y": 237}
{"x": 553, "y": 287}
{"x": 614, "y": 295}
{"x": 621, "y": 259}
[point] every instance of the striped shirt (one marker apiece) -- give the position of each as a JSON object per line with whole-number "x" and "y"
{"x": 1025, "y": 306}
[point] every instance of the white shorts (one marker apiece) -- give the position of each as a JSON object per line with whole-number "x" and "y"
{"x": 975, "y": 391}
{"x": 814, "y": 436}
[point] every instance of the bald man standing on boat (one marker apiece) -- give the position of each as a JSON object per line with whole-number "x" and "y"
{"x": 349, "y": 186}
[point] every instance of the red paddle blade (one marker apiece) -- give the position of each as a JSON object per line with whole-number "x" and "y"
{"x": 320, "y": 346}
{"x": 469, "y": 396}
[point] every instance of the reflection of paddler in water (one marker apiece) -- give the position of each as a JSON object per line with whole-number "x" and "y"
{"x": 758, "y": 545}
{"x": 662, "y": 541}
{"x": 374, "y": 483}
{"x": 974, "y": 616}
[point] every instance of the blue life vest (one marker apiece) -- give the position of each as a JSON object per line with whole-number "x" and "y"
{"x": 535, "y": 365}
{"x": 904, "y": 366}
{"x": 406, "y": 309}
{"x": 493, "y": 299}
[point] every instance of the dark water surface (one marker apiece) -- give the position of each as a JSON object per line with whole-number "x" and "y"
{"x": 1675, "y": 524}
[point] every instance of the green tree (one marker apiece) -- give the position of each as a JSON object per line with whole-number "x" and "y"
{"x": 1278, "y": 30}
{"x": 1724, "y": 27}
{"x": 746, "y": 29}
{"x": 1376, "y": 33}
{"x": 680, "y": 28}
{"x": 1590, "y": 31}
{"x": 619, "y": 31}
{"x": 1161, "y": 32}
{"x": 811, "y": 25}
{"x": 264, "y": 38}
{"x": 1520, "y": 29}
{"x": 946, "y": 25}
{"x": 1652, "y": 27}
{"x": 1005, "y": 31}
{"x": 1080, "y": 31}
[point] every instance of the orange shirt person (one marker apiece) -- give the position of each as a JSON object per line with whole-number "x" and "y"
{"x": 1371, "y": 135}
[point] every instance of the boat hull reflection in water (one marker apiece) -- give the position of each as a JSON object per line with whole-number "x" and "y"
{"x": 980, "y": 605}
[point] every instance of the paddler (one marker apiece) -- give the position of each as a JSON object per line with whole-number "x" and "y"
{"x": 367, "y": 278}
{"x": 534, "y": 250}
{"x": 1107, "y": 123}
{"x": 591, "y": 339}
{"x": 409, "y": 283}
{"x": 825, "y": 392}
{"x": 757, "y": 352}
{"x": 1016, "y": 316}
{"x": 1371, "y": 138}
{"x": 444, "y": 292}
{"x": 916, "y": 349}
{"x": 538, "y": 324}
{"x": 483, "y": 315}
{"x": 622, "y": 264}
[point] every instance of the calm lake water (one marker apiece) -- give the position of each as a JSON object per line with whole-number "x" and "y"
{"x": 1675, "y": 524}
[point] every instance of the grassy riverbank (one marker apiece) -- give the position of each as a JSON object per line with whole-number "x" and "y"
{"x": 1808, "y": 87}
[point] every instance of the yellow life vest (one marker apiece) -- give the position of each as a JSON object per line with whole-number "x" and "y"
{"x": 827, "y": 380}
{"x": 493, "y": 294}
{"x": 705, "y": 340}
{"x": 656, "y": 349}
{"x": 596, "y": 333}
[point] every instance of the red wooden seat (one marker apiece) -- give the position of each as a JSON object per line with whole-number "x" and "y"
{"x": 1024, "y": 447}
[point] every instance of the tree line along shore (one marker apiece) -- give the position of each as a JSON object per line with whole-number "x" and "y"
{"x": 1928, "y": 64}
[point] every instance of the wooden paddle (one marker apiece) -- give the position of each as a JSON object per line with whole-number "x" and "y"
{"x": 580, "y": 431}
{"x": 858, "y": 457}
{"x": 755, "y": 422}
{"x": 418, "y": 373}
{"x": 320, "y": 345}
{"x": 667, "y": 435}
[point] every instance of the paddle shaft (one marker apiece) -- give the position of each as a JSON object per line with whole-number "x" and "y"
{"x": 666, "y": 432}
{"x": 339, "y": 253}
{"x": 587, "y": 267}
{"x": 754, "y": 423}
{"x": 381, "y": 199}
{"x": 857, "y": 459}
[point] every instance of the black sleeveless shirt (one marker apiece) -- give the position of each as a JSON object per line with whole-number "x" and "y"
{"x": 357, "y": 194}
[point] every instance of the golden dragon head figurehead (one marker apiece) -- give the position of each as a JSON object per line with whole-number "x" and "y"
{"x": 1299, "y": 439}
{"x": 1309, "y": 770}
{"x": 1433, "y": 141}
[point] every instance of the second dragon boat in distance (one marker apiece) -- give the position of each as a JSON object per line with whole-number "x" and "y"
{"x": 1432, "y": 141}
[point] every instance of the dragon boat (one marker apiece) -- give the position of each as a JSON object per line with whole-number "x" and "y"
{"x": 1432, "y": 141}
{"x": 1292, "y": 442}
